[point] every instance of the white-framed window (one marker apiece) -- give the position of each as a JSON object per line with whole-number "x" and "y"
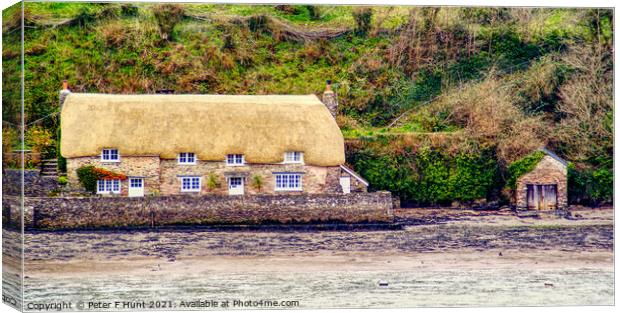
{"x": 235, "y": 160}
{"x": 235, "y": 182}
{"x": 293, "y": 157}
{"x": 106, "y": 186}
{"x": 288, "y": 182}
{"x": 110, "y": 155}
{"x": 187, "y": 158}
{"x": 190, "y": 184}
{"x": 135, "y": 182}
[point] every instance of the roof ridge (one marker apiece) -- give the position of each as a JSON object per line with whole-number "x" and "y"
{"x": 553, "y": 155}
{"x": 193, "y": 94}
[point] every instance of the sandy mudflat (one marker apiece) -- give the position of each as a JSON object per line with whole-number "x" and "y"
{"x": 498, "y": 253}
{"x": 328, "y": 262}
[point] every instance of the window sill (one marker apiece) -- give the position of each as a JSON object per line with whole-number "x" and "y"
{"x": 190, "y": 191}
{"x": 285, "y": 190}
{"x": 110, "y": 161}
{"x": 235, "y": 165}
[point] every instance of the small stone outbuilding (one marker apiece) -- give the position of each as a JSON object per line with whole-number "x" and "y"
{"x": 545, "y": 187}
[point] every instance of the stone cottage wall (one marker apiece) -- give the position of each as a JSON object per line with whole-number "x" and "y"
{"x": 315, "y": 179}
{"x": 146, "y": 167}
{"x": 547, "y": 172}
{"x": 94, "y": 212}
{"x": 163, "y": 176}
{"x": 34, "y": 184}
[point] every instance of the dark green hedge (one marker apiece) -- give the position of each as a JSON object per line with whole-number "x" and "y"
{"x": 429, "y": 176}
{"x": 592, "y": 186}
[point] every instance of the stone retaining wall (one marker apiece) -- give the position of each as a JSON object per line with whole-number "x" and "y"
{"x": 34, "y": 184}
{"x": 96, "y": 212}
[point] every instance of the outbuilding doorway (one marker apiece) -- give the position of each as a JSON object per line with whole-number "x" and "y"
{"x": 542, "y": 197}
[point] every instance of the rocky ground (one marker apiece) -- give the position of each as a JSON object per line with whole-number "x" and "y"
{"x": 451, "y": 230}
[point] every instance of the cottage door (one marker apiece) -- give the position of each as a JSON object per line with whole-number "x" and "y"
{"x": 345, "y": 183}
{"x": 541, "y": 197}
{"x": 235, "y": 186}
{"x": 136, "y": 187}
{"x": 549, "y": 195}
{"x": 532, "y": 197}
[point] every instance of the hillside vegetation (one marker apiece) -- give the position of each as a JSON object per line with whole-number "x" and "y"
{"x": 435, "y": 103}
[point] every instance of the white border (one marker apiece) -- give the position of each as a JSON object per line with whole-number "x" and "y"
{"x": 522, "y": 3}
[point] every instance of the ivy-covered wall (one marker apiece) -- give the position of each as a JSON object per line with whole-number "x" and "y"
{"x": 429, "y": 175}
{"x": 422, "y": 172}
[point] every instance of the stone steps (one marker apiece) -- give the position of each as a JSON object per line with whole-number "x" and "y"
{"x": 49, "y": 168}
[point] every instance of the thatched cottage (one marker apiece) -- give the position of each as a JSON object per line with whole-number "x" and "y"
{"x": 544, "y": 187}
{"x": 207, "y": 144}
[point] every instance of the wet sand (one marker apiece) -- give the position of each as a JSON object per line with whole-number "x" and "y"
{"x": 496, "y": 252}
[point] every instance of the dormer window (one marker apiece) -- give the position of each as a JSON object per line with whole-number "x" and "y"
{"x": 110, "y": 155}
{"x": 187, "y": 158}
{"x": 235, "y": 160}
{"x": 293, "y": 157}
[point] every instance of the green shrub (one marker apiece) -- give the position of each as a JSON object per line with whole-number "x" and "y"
{"x": 590, "y": 186}
{"x": 506, "y": 45}
{"x": 314, "y": 12}
{"x": 229, "y": 43}
{"x": 474, "y": 67}
{"x": 88, "y": 177}
{"x": 213, "y": 181}
{"x": 258, "y": 23}
{"x": 129, "y": 9}
{"x": 168, "y": 16}
{"x": 10, "y": 138}
{"x": 62, "y": 162}
{"x": 62, "y": 180}
{"x": 257, "y": 182}
{"x": 526, "y": 164}
{"x": 603, "y": 185}
{"x": 39, "y": 139}
{"x": 485, "y": 15}
{"x": 363, "y": 19}
{"x": 287, "y": 9}
{"x": 426, "y": 86}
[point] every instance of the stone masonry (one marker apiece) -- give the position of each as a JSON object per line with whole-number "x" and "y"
{"x": 34, "y": 184}
{"x": 548, "y": 171}
{"x": 146, "y": 167}
{"x": 110, "y": 212}
{"x": 162, "y": 176}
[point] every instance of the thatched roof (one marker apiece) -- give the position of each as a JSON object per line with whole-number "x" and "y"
{"x": 260, "y": 127}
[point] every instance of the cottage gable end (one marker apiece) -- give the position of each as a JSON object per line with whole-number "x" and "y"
{"x": 548, "y": 172}
{"x": 547, "y": 169}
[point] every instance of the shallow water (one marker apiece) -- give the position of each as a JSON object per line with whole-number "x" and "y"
{"x": 440, "y": 288}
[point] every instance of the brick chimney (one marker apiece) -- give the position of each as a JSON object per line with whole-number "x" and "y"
{"x": 64, "y": 92}
{"x": 329, "y": 99}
